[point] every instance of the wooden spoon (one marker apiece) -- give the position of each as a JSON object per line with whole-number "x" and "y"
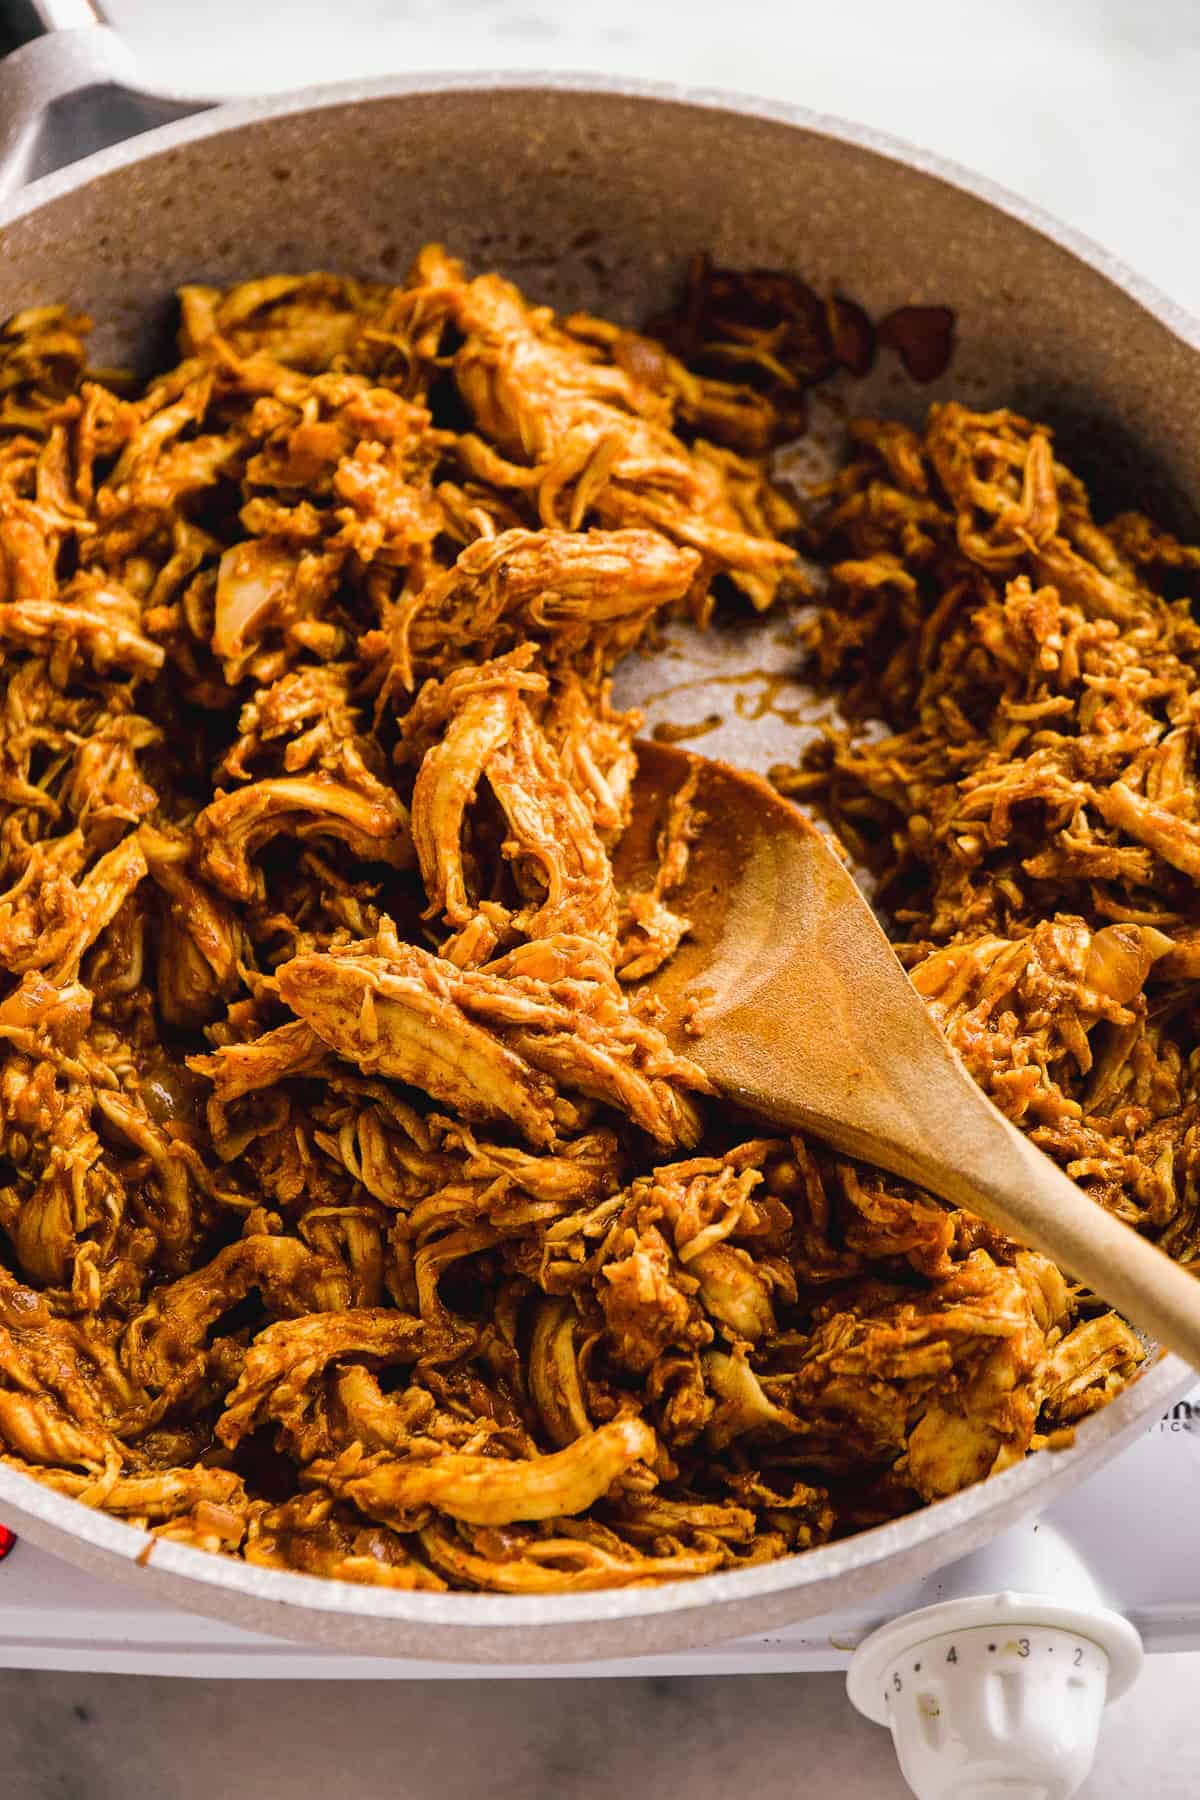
{"x": 808, "y": 1019}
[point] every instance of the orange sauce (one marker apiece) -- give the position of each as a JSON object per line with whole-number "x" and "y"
{"x": 758, "y": 693}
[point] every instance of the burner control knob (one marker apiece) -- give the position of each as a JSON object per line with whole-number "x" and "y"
{"x": 995, "y": 1697}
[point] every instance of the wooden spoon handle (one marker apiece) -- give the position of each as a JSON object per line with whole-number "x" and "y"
{"x": 992, "y": 1170}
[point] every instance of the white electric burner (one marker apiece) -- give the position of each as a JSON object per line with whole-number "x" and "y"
{"x": 1125, "y": 1537}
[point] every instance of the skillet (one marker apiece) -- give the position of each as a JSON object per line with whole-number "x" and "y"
{"x": 591, "y": 193}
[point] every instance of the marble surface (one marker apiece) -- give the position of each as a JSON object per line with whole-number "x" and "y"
{"x": 80, "y": 1737}
{"x": 1087, "y": 106}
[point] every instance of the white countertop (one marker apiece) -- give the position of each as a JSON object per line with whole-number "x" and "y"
{"x": 758, "y": 1737}
{"x": 1090, "y": 108}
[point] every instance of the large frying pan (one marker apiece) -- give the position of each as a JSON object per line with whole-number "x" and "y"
{"x": 589, "y": 193}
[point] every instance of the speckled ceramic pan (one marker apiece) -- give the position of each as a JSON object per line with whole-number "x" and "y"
{"x": 588, "y": 193}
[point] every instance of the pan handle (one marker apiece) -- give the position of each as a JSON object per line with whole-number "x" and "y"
{"x": 70, "y": 92}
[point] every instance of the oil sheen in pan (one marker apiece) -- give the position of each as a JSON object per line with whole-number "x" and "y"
{"x": 737, "y": 690}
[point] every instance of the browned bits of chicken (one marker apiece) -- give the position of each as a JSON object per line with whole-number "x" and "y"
{"x": 358, "y": 1216}
{"x": 754, "y": 341}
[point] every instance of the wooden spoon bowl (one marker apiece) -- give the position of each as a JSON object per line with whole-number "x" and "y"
{"x": 789, "y": 996}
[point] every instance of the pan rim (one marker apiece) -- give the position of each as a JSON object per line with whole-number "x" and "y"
{"x": 291, "y": 1590}
{"x": 232, "y": 115}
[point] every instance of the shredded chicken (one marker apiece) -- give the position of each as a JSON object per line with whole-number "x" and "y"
{"x": 1030, "y": 807}
{"x": 358, "y": 1216}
